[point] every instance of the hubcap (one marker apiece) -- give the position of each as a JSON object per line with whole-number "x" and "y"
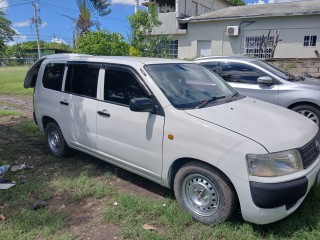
{"x": 311, "y": 115}
{"x": 201, "y": 195}
{"x": 54, "y": 140}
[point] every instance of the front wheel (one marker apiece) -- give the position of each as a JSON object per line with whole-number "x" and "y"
{"x": 308, "y": 111}
{"x": 205, "y": 193}
{"x": 55, "y": 140}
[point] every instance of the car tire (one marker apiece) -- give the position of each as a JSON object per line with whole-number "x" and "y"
{"x": 55, "y": 141}
{"x": 205, "y": 193}
{"x": 308, "y": 111}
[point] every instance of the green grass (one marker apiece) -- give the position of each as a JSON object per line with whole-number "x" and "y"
{"x": 11, "y": 80}
{"x": 132, "y": 212}
{"x": 4, "y": 113}
{"x": 27, "y": 224}
{"x": 83, "y": 177}
{"x": 82, "y": 186}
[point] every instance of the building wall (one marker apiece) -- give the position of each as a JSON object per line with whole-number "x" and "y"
{"x": 298, "y": 66}
{"x": 292, "y": 32}
{"x": 169, "y": 24}
{"x": 167, "y": 15}
{"x": 187, "y": 7}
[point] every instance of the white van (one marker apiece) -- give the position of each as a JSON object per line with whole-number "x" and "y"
{"x": 180, "y": 125}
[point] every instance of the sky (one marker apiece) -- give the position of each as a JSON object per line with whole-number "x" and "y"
{"x": 56, "y": 27}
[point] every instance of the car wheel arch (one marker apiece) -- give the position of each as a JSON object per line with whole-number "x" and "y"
{"x": 46, "y": 120}
{"x": 178, "y": 163}
{"x": 295, "y": 104}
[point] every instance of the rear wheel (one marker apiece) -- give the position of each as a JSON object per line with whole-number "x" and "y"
{"x": 308, "y": 111}
{"x": 55, "y": 140}
{"x": 205, "y": 193}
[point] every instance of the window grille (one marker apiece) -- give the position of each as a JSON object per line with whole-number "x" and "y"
{"x": 253, "y": 47}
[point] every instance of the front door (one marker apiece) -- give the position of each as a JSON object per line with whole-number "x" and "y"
{"x": 130, "y": 139}
{"x": 244, "y": 78}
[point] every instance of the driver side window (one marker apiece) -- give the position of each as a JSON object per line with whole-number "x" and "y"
{"x": 237, "y": 72}
{"x": 120, "y": 86}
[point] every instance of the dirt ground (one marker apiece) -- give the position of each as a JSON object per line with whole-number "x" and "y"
{"x": 85, "y": 216}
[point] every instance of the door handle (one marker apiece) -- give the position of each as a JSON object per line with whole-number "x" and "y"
{"x": 64, "y": 103}
{"x": 104, "y": 113}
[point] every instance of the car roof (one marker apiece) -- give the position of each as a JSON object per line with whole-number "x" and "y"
{"x": 112, "y": 59}
{"x": 217, "y": 58}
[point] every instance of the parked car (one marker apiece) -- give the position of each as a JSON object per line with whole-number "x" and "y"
{"x": 178, "y": 124}
{"x": 261, "y": 80}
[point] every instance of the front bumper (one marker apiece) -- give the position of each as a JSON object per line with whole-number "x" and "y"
{"x": 265, "y": 202}
{"x": 272, "y": 195}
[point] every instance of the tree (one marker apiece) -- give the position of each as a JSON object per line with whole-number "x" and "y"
{"x": 87, "y": 9}
{"x": 6, "y": 32}
{"x": 268, "y": 44}
{"x": 21, "y": 50}
{"x": 236, "y": 2}
{"x": 144, "y": 42}
{"x": 101, "y": 6}
{"x": 103, "y": 43}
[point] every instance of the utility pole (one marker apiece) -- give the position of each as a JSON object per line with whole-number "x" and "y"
{"x": 36, "y": 21}
{"x": 54, "y": 40}
{"x": 136, "y": 6}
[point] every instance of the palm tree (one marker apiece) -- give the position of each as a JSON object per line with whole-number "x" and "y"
{"x": 87, "y": 10}
{"x": 101, "y": 6}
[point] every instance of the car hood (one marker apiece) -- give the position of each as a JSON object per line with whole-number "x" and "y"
{"x": 310, "y": 83}
{"x": 274, "y": 127}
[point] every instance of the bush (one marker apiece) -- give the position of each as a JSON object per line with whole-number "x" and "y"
{"x": 103, "y": 43}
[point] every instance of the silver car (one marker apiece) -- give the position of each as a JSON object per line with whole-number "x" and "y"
{"x": 261, "y": 80}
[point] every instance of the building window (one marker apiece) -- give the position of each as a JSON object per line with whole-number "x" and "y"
{"x": 310, "y": 41}
{"x": 171, "y": 49}
{"x": 253, "y": 47}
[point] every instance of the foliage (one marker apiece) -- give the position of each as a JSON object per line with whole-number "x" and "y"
{"x": 236, "y": 2}
{"x": 103, "y": 43}
{"x": 101, "y": 6}
{"x": 87, "y": 10}
{"x": 6, "y": 32}
{"x": 142, "y": 39}
{"x": 134, "y": 52}
{"x": 23, "y": 49}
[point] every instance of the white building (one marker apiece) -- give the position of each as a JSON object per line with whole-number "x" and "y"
{"x": 224, "y": 30}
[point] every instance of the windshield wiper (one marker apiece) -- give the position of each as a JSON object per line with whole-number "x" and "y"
{"x": 232, "y": 96}
{"x": 292, "y": 77}
{"x": 205, "y": 102}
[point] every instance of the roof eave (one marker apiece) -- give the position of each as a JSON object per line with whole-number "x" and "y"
{"x": 245, "y": 17}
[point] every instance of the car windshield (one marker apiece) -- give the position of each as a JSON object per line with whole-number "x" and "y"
{"x": 277, "y": 71}
{"x": 189, "y": 85}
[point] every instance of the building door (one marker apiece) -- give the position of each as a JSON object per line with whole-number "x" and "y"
{"x": 204, "y": 48}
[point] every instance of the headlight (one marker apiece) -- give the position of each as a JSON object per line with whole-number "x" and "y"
{"x": 274, "y": 164}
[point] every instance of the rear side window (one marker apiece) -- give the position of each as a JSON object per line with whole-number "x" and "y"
{"x": 53, "y": 75}
{"x": 82, "y": 79}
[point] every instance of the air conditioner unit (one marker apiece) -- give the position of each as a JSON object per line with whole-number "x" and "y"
{"x": 232, "y": 31}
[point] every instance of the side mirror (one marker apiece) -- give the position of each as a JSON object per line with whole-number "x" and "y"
{"x": 265, "y": 80}
{"x": 142, "y": 105}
